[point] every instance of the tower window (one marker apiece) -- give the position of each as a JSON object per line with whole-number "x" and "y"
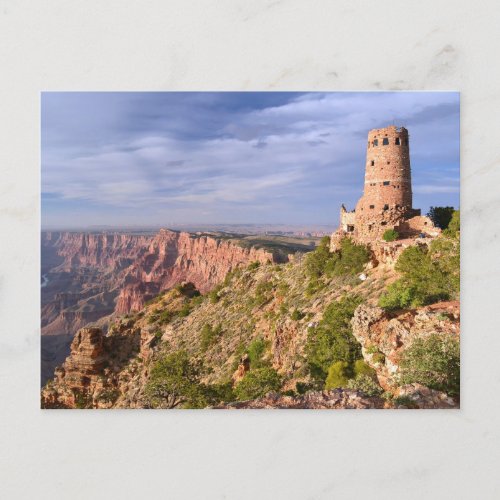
{"x": 372, "y": 206}
{"x": 373, "y": 163}
{"x": 398, "y": 142}
{"x": 406, "y": 142}
{"x": 386, "y": 183}
{"x": 375, "y": 142}
{"x": 386, "y": 207}
{"x": 385, "y": 141}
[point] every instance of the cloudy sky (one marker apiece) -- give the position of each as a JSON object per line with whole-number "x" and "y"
{"x": 241, "y": 157}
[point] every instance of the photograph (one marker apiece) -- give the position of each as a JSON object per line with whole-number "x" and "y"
{"x": 250, "y": 250}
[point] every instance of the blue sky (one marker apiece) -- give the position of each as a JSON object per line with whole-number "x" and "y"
{"x": 159, "y": 158}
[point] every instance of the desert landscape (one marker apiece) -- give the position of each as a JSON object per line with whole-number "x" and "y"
{"x": 362, "y": 312}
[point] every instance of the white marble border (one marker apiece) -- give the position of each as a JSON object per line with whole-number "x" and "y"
{"x": 248, "y": 45}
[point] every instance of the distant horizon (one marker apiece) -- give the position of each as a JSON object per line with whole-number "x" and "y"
{"x": 180, "y": 225}
{"x": 146, "y": 159}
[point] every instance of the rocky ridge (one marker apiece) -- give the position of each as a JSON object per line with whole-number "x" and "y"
{"x": 384, "y": 336}
{"x": 252, "y": 303}
{"x": 91, "y": 276}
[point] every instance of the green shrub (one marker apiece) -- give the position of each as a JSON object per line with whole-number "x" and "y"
{"x": 362, "y": 368}
{"x": 83, "y": 400}
{"x": 220, "y": 393}
{"x": 353, "y": 258}
{"x": 109, "y": 395}
{"x": 405, "y": 401}
{"x": 185, "y": 310}
{"x": 283, "y": 288}
{"x": 332, "y": 340}
{"x": 213, "y": 295}
{"x": 196, "y": 301}
{"x": 316, "y": 260}
{"x": 433, "y": 361}
{"x": 366, "y": 384}
{"x": 296, "y": 315}
{"x": 390, "y": 235}
{"x": 314, "y": 286}
{"x": 303, "y": 387}
{"x": 441, "y": 216}
{"x": 257, "y": 383}
{"x": 164, "y": 317}
{"x": 262, "y": 293}
{"x": 338, "y": 375}
{"x": 397, "y": 296}
{"x": 453, "y": 229}
{"x": 253, "y": 265}
{"x": 209, "y": 336}
{"x": 428, "y": 275}
{"x": 256, "y": 351}
{"x": 174, "y": 382}
{"x": 350, "y": 259}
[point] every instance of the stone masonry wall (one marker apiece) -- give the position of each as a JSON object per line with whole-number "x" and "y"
{"x": 387, "y": 195}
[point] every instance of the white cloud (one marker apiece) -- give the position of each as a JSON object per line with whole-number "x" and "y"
{"x": 301, "y": 157}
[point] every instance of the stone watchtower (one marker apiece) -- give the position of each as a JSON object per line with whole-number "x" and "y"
{"x": 387, "y": 196}
{"x": 387, "y": 171}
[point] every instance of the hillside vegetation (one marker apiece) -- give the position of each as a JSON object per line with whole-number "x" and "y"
{"x": 287, "y": 329}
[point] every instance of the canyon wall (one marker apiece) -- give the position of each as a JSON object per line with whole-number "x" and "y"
{"x": 89, "y": 276}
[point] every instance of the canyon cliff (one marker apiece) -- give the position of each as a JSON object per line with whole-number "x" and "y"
{"x": 343, "y": 329}
{"x": 275, "y": 325}
{"x": 90, "y": 276}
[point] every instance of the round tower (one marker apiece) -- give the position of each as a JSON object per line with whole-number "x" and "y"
{"x": 387, "y": 195}
{"x": 387, "y": 170}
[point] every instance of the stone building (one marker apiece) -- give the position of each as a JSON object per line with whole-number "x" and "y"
{"x": 387, "y": 196}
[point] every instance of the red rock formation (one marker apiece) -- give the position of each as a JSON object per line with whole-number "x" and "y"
{"x": 384, "y": 337}
{"x": 142, "y": 266}
{"x": 316, "y": 400}
{"x": 175, "y": 257}
{"x": 110, "y": 251}
{"x": 88, "y": 376}
{"x": 92, "y": 275}
{"x": 242, "y": 369}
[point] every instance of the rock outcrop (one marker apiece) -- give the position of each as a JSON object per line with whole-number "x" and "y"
{"x": 175, "y": 257}
{"x": 251, "y": 321}
{"x": 384, "y": 337}
{"x": 314, "y": 400}
{"x": 141, "y": 266}
{"x": 93, "y": 275}
{"x": 421, "y": 397}
{"x": 90, "y": 377}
